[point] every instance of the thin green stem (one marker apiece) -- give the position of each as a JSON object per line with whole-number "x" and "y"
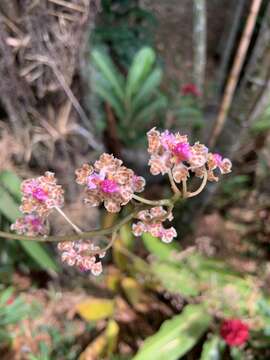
{"x": 200, "y": 189}
{"x": 73, "y": 237}
{"x": 173, "y": 184}
{"x": 107, "y": 247}
{"x": 166, "y": 202}
{"x": 185, "y": 192}
{"x": 92, "y": 233}
{"x": 75, "y": 227}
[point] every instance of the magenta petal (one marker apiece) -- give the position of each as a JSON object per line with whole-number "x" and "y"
{"x": 40, "y": 194}
{"x": 182, "y": 151}
{"x": 109, "y": 186}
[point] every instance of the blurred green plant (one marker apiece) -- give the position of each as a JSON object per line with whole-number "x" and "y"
{"x": 213, "y": 348}
{"x": 263, "y": 123}
{"x": 125, "y": 27}
{"x": 12, "y": 310}
{"x": 44, "y": 353}
{"x": 233, "y": 189}
{"x": 63, "y": 343}
{"x": 10, "y": 254}
{"x": 210, "y": 289}
{"x": 208, "y": 283}
{"x": 136, "y": 98}
{"x": 177, "y": 335}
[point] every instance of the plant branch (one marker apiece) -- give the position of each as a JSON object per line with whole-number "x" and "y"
{"x": 185, "y": 192}
{"x": 166, "y": 202}
{"x": 75, "y": 227}
{"x": 73, "y": 237}
{"x": 200, "y": 189}
{"x": 173, "y": 184}
{"x": 233, "y": 78}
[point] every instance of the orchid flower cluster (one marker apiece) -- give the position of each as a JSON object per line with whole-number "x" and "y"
{"x": 112, "y": 184}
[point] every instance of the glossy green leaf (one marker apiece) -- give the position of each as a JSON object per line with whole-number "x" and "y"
{"x": 110, "y": 73}
{"x": 176, "y": 336}
{"x": 212, "y": 349}
{"x": 140, "y": 68}
{"x": 9, "y": 208}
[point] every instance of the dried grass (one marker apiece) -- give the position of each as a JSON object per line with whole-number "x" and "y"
{"x": 42, "y": 47}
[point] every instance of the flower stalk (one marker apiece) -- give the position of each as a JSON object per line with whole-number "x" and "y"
{"x": 75, "y": 227}
{"x": 108, "y": 182}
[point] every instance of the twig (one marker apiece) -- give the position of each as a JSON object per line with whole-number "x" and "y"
{"x": 199, "y": 42}
{"x": 228, "y": 40}
{"x": 75, "y": 227}
{"x": 235, "y": 71}
{"x": 12, "y": 26}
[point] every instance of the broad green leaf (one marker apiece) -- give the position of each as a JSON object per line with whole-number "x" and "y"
{"x": 212, "y": 349}
{"x": 12, "y": 183}
{"x": 176, "y": 336}
{"x": 139, "y": 70}
{"x": 40, "y": 255}
{"x": 176, "y": 279}
{"x": 147, "y": 89}
{"x": 9, "y": 208}
{"x": 161, "y": 250}
{"x": 103, "y": 89}
{"x": 148, "y": 112}
{"x": 95, "y": 309}
{"x": 110, "y": 73}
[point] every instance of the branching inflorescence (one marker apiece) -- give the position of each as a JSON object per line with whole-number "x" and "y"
{"x": 109, "y": 182}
